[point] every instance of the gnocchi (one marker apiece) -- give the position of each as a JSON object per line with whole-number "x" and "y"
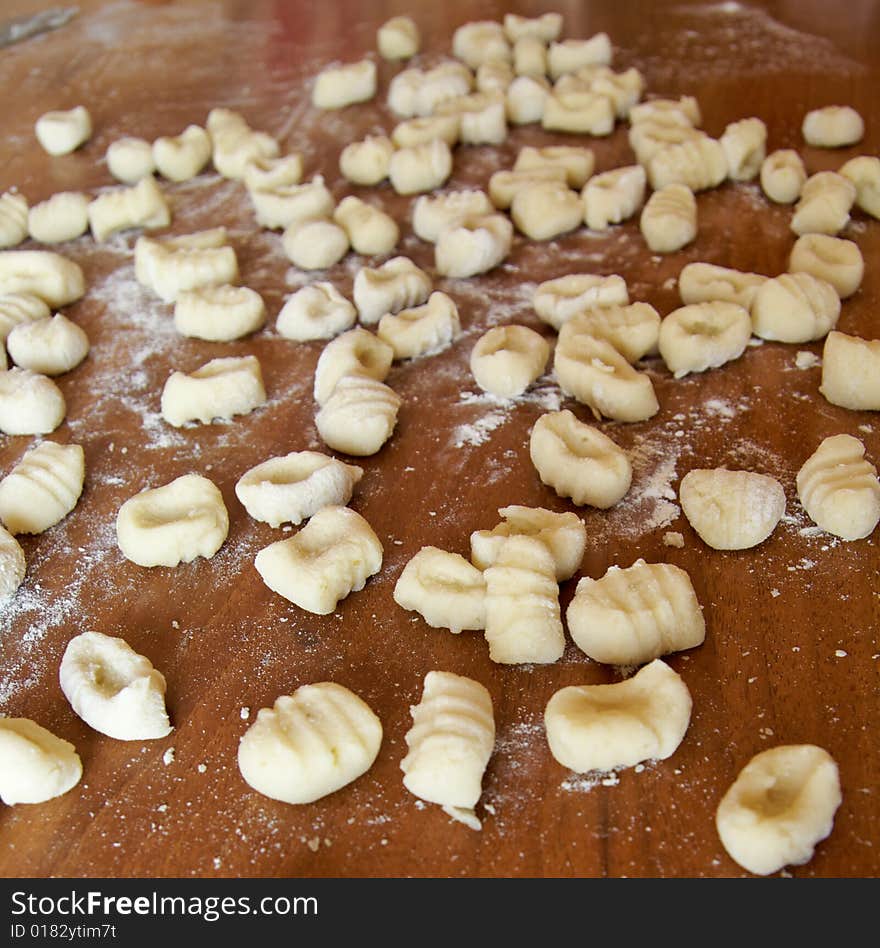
{"x": 833, "y": 126}
{"x": 130, "y": 159}
{"x": 505, "y": 185}
{"x": 171, "y": 266}
{"x": 315, "y": 244}
{"x": 339, "y": 86}
{"x": 415, "y": 92}
{"x": 183, "y": 156}
{"x": 449, "y": 744}
{"x": 706, "y": 282}
{"x": 444, "y": 589}
{"x": 480, "y": 42}
{"x": 370, "y": 230}
{"x": 507, "y": 359}
{"x": 53, "y": 278}
{"x": 395, "y": 285}
{"x": 417, "y": 131}
{"x": 546, "y": 210}
{"x": 526, "y": 99}
{"x": 836, "y": 261}
{"x": 699, "y": 163}
{"x": 632, "y": 616}
{"x": 633, "y": 330}
{"x": 556, "y": 301}
{"x": 603, "y": 727}
{"x": 294, "y": 487}
{"x": 577, "y": 163}
{"x": 64, "y": 216}
{"x": 423, "y": 329}
{"x": 783, "y": 176}
{"x": 745, "y": 147}
{"x": 579, "y": 461}
{"x": 613, "y": 197}
{"x": 173, "y": 524}
{"x": 530, "y": 56}
{"x": 30, "y": 403}
{"x": 332, "y": 556}
{"x": 546, "y": 27}
{"x": 12, "y": 565}
{"x": 703, "y": 336}
{"x": 731, "y": 510}
{"x": 35, "y": 765}
{"x": 235, "y": 144}
{"x": 18, "y": 308}
{"x": 270, "y": 174}
{"x": 43, "y": 488}
{"x": 482, "y": 117}
{"x": 585, "y": 113}
{"x": 432, "y": 215}
{"x": 356, "y": 352}
{"x": 309, "y": 744}
{"x": 839, "y": 488}
{"x": 573, "y": 54}
{"x": 420, "y": 168}
{"x": 367, "y": 162}
{"x": 13, "y": 219}
{"x": 473, "y": 245}
{"x": 359, "y": 416}
{"x": 50, "y": 346}
{"x": 142, "y": 205}
{"x": 795, "y": 307}
{"x": 398, "y": 38}
{"x": 824, "y": 206}
{"x": 649, "y": 138}
{"x": 864, "y": 173}
{"x": 113, "y": 689}
{"x": 219, "y": 313}
{"x": 850, "y": 372}
{"x": 494, "y": 76}
{"x": 682, "y": 111}
{"x": 316, "y": 311}
{"x": 221, "y": 388}
{"x": 61, "y": 133}
{"x": 289, "y": 204}
{"x": 669, "y": 219}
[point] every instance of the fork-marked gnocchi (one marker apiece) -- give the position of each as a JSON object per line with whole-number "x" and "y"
{"x": 50, "y": 346}
{"x": 42, "y": 488}
{"x": 12, "y": 565}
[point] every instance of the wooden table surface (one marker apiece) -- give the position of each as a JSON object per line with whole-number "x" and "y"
{"x": 791, "y": 653}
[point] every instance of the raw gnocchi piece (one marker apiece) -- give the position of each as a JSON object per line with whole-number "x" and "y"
{"x": 682, "y": 111}
{"x": 173, "y": 524}
{"x": 564, "y": 535}
{"x": 523, "y": 622}
{"x": 597, "y": 375}
{"x": 526, "y": 99}
{"x": 172, "y": 266}
{"x": 795, "y": 307}
{"x": 219, "y": 313}
{"x": 61, "y": 132}
{"x": 53, "y": 278}
{"x": 449, "y": 745}
{"x": 839, "y": 488}
{"x": 315, "y": 244}
{"x": 850, "y": 372}
{"x": 292, "y": 203}
{"x": 444, "y": 589}
{"x": 420, "y": 168}
{"x": 824, "y": 206}
{"x": 12, "y": 565}
{"x": 113, "y": 689}
{"x": 120, "y": 209}
{"x": 669, "y": 219}
{"x": 35, "y": 765}
{"x": 356, "y": 352}
{"x": 573, "y": 54}
{"x": 42, "y": 488}
{"x": 270, "y": 174}
{"x": 398, "y": 38}
{"x": 359, "y": 417}
{"x": 745, "y": 147}
{"x": 624, "y": 89}
{"x": 183, "y": 156}
{"x": 415, "y": 92}
{"x": 706, "y": 282}
{"x": 546, "y": 27}
{"x": 833, "y": 126}
{"x": 309, "y": 744}
{"x": 576, "y": 162}
{"x": 480, "y": 42}
{"x": 64, "y": 216}
{"x": 603, "y": 727}
{"x": 579, "y": 461}
{"x": 473, "y": 245}
{"x": 783, "y": 176}
{"x": 236, "y": 144}
{"x": 585, "y": 113}
{"x": 30, "y": 403}
{"x": 18, "y": 308}
{"x": 556, "y": 301}
{"x": 703, "y": 336}
{"x": 432, "y": 215}
{"x": 130, "y": 159}
{"x": 494, "y": 76}
{"x": 698, "y": 164}
{"x": 370, "y": 230}
{"x": 505, "y": 185}
{"x": 507, "y": 359}
{"x": 780, "y": 806}
{"x": 331, "y": 556}
{"x": 367, "y": 162}
{"x": 424, "y": 329}
{"x": 294, "y": 487}
{"x": 832, "y": 259}
{"x": 864, "y": 173}
{"x": 649, "y": 138}
{"x": 316, "y": 311}
{"x": 530, "y": 56}
{"x": 482, "y": 117}
{"x": 221, "y": 388}
{"x": 395, "y": 285}
{"x": 339, "y": 86}
{"x": 613, "y": 197}
{"x": 633, "y": 330}
{"x": 731, "y": 510}
{"x": 418, "y": 131}
{"x": 48, "y": 346}
{"x": 632, "y": 616}
{"x": 547, "y": 210}
{"x": 13, "y": 219}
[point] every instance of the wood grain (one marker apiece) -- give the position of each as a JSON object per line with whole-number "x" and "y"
{"x": 779, "y": 616}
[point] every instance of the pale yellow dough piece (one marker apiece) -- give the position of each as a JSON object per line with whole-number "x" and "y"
{"x": 30, "y": 403}
{"x": 705, "y": 282}
{"x": 50, "y": 346}
{"x": 682, "y": 111}
{"x": 367, "y": 162}
{"x": 546, "y": 210}
{"x": 632, "y": 616}
{"x": 174, "y": 264}
{"x": 339, "y": 86}
{"x": 731, "y": 510}
{"x": 633, "y": 330}
{"x": 745, "y": 147}
{"x": 356, "y": 352}
{"x": 573, "y": 54}
{"x": 269, "y": 174}
{"x": 505, "y": 185}
{"x": 703, "y": 336}
{"x": 650, "y": 137}
{"x": 433, "y": 215}
{"x": 613, "y": 196}
{"x": 449, "y": 744}
{"x": 64, "y": 216}
{"x": 825, "y": 203}
{"x": 564, "y": 535}
{"x": 585, "y": 113}
{"x": 53, "y": 278}
{"x": 420, "y": 168}
{"x": 43, "y": 488}
{"x": 142, "y": 205}
{"x": 579, "y": 461}
{"x": 507, "y": 359}
{"x": 309, "y": 744}
{"x": 698, "y": 163}
{"x": 557, "y": 300}
{"x": 795, "y": 307}
{"x": 236, "y": 144}
{"x": 783, "y": 176}
{"x": 395, "y": 285}
{"x": 221, "y": 389}
{"x": 482, "y": 117}
{"x": 546, "y": 27}
{"x": 60, "y": 133}
{"x": 35, "y": 765}
{"x": 417, "y": 92}
{"x": 832, "y": 259}
{"x": 526, "y": 99}
{"x": 359, "y": 417}
{"x": 370, "y": 230}
{"x": 18, "y": 308}
{"x": 398, "y": 38}
{"x": 130, "y": 159}
{"x": 183, "y": 156}
{"x": 779, "y": 808}
{"x": 219, "y": 313}
{"x": 316, "y": 311}
{"x": 444, "y": 589}
{"x": 851, "y": 372}
{"x": 669, "y": 219}
{"x": 288, "y": 204}
{"x": 530, "y": 57}
{"x": 419, "y": 130}
{"x": 480, "y": 42}
{"x": 578, "y": 163}
{"x": 13, "y": 219}
{"x": 603, "y": 727}
{"x": 494, "y": 76}
{"x": 315, "y": 244}
{"x": 12, "y": 565}
{"x": 173, "y": 524}
{"x": 331, "y": 556}
{"x": 473, "y": 245}
{"x": 833, "y": 126}
{"x": 839, "y": 488}
{"x": 424, "y": 329}
{"x": 864, "y": 173}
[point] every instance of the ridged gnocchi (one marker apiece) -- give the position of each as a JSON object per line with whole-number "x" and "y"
{"x": 368, "y": 161}
{"x": 832, "y": 259}
{"x": 669, "y": 219}
{"x": 577, "y": 162}
{"x": 825, "y": 202}
{"x": 370, "y": 230}
{"x": 795, "y": 307}
{"x": 13, "y": 219}
{"x": 583, "y": 113}
{"x": 42, "y": 488}
{"x": 557, "y": 300}
{"x": 833, "y": 126}
{"x": 482, "y": 117}
{"x": 12, "y": 565}
{"x": 315, "y": 244}
{"x": 633, "y": 330}
{"x": 172, "y": 265}
{"x": 64, "y": 216}
{"x": 698, "y": 164}
{"x": 359, "y": 416}
{"x": 420, "y": 168}
{"x": 62, "y": 132}
{"x": 182, "y": 156}
{"x": 19, "y": 308}
{"x": 526, "y": 99}
{"x": 236, "y": 144}
{"x": 613, "y": 196}
{"x": 546, "y": 210}
{"x": 480, "y": 42}
{"x": 53, "y": 278}
{"x": 851, "y": 372}
{"x": 573, "y": 54}
{"x": 424, "y": 329}
{"x": 444, "y": 589}
{"x": 783, "y": 176}
{"x": 706, "y": 282}
{"x": 287, "y": 204}
{"x": 434, "y": 214}
{"x": 864, "y": 173}
{"x": 129, "y": 159}
{"x": 398, "y": 38}
{"x": 118, "y": 209}
{"x": 745, "y": 147}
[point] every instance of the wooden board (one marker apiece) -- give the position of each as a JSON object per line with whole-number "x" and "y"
{"x": 792, "y": 648}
